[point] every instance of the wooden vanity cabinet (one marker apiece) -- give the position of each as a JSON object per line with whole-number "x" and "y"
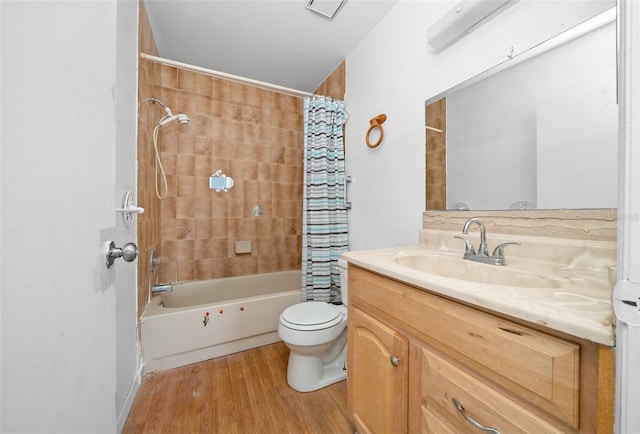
{"x": 412, "y": 352}
{"x": 379, "y": 362}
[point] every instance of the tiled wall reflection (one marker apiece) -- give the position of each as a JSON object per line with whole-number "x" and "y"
{"x": 436, "y": 155}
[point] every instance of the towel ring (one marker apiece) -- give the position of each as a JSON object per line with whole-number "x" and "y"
{"x": 376, "y": 123}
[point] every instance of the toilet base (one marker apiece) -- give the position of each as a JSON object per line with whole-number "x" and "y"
{"x": 306, "y": 373}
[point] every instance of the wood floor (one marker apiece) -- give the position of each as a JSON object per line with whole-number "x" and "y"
{"x": 240, "y": 393}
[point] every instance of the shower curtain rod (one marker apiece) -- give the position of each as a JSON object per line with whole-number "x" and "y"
{"x": 236, "y": 78}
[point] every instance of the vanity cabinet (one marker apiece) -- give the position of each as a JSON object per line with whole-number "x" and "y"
{"x": 418, "y": 361}
{"x": 378, "y": 359}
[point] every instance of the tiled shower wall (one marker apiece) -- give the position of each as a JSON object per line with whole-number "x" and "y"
{"x": 335, "y": 84}
{"x": 251, "y": 135}
{"x": 149, "y": 222}
{"x": 254, "y": 136}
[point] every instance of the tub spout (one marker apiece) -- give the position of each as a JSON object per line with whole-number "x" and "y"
{"x": 165, "y": 287}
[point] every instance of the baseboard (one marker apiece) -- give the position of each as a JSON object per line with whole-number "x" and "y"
{"x": 123, "y": 414}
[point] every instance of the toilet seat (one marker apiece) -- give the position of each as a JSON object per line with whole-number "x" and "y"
{"x": 310, "y": 315}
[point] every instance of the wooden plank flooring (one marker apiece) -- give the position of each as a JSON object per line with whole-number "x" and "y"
{"x": 240, "y": 393}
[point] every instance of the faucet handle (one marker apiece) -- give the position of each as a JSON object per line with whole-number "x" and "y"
{"x": 498, "y": 252}
{"x": 469, "y": 249}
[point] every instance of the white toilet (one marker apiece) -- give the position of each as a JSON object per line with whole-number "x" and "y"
{"x": 316, "y": 334}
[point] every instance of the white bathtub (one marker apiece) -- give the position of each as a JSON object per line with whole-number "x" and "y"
{"x": 212, "y": 318}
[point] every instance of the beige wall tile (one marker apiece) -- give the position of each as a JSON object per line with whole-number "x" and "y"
{"x": 186, "y": 80}
{"x": 221, "y": 88}
{"x": 203, "y": 269}
{"x": 236, "y": 92}
{"x": 203, "y": 84}
{"x": 169, "y": 76}
{"x": 185, "y": 271}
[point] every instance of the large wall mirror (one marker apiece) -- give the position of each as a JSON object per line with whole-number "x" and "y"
{"x": 540, "y": 133}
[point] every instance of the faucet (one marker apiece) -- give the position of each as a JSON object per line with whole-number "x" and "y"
{"x": 496, "y": 258}
{"x": 164, "y": 287}
{"x": 482, "y": 248}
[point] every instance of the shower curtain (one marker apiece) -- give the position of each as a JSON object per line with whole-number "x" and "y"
{"x": 324, "y": 212}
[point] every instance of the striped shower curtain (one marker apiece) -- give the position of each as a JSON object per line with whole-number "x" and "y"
{"x": 324, "y": 213}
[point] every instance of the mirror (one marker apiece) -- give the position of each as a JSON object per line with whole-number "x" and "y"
{"x": 537, "y": 133}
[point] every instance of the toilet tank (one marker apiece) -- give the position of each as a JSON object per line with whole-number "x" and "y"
{"x": 342, "y": 268}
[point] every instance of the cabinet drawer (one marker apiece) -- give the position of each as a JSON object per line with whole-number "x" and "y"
{"x": 443, "y": 380}
{"x": 538, "y": 367}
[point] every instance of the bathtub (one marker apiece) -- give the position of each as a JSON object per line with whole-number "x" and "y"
{"x": 212, "y": 318}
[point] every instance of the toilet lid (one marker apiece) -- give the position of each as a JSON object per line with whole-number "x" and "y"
{"x": 311, "y": 313}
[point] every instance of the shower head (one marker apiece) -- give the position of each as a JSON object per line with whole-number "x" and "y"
{"x": 182, "y": 118}
{"x": 170, "y": 117}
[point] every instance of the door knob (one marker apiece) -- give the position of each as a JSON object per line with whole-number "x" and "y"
{"x": 128, "y": 252}
{"x": 394, "y": 361}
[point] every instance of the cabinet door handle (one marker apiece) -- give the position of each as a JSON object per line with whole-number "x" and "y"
{"x": 394, "y": 360}
{"x": 471, "y": 420}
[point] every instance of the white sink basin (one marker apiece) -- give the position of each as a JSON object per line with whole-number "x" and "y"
{"x": 461, "y": 269}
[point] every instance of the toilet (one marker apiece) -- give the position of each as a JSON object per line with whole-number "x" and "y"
{"x": 316, "y": 334}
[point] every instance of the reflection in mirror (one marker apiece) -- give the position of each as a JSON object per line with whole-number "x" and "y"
{"x": 541, "y": 134}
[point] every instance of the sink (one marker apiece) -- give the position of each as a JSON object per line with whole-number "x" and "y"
{"x": 451, "y": 267}
{"x": 562, "y": 284}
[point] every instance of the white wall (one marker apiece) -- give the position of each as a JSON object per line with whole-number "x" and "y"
{"x": 58, "y": 134}
{"x": 128, "y": 354}
{"x": 386, "y": 74}
{"x": 393, "y": 71}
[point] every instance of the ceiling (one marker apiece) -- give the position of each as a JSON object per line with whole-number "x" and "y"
{"x": 275, "y": 41}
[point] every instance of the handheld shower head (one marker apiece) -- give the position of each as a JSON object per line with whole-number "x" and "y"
{"x": 180, "y": 117}
{"x": 169, "y": 116}
{"x": 164, "y": 120}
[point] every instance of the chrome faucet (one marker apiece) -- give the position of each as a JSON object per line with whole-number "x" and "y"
{"x": 482, "y": 248}
{"x": 165, "y": 287}
{"x": 496, "y": 258}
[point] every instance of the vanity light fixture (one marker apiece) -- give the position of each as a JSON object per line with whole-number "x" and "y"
{"x": 463, "y": 19}
{"x": 325, "y": 8}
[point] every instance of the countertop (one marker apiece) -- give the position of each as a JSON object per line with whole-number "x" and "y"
{"x": 580, "y": 306}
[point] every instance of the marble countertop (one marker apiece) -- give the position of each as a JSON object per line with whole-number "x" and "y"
{"x": 573, "y": 295}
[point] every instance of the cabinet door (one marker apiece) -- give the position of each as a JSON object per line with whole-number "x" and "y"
{"x": 377, "y": 376}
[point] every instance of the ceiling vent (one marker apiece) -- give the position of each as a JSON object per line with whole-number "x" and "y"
{"x": 325, "y": 8}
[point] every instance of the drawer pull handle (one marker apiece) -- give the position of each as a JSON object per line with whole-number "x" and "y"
{"x": 394, "y": 361}
{"x": 471, "y": 420}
